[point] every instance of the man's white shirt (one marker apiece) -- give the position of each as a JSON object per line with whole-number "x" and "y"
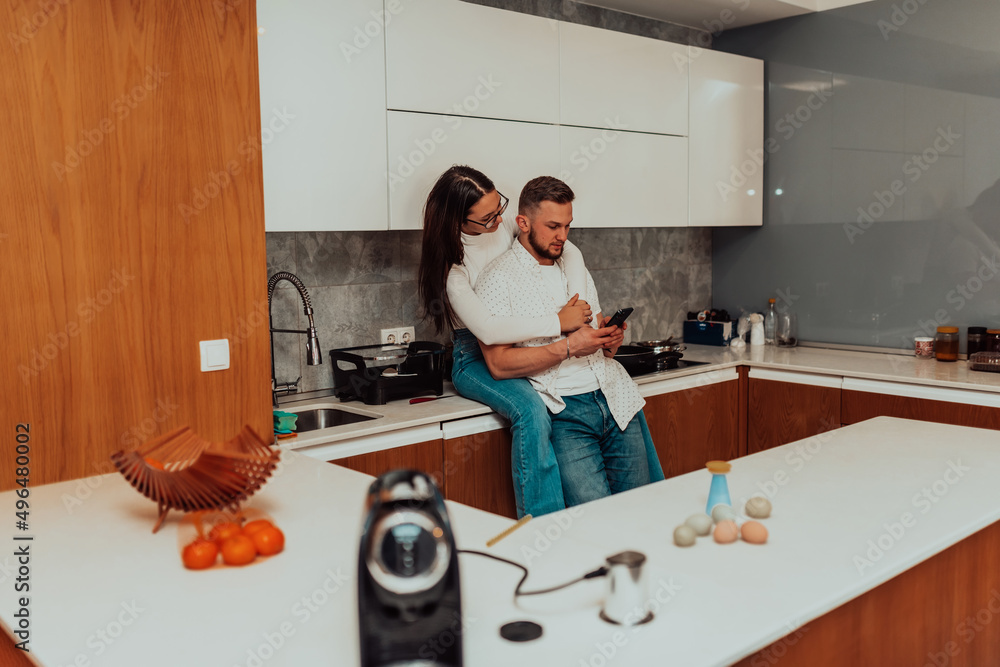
{"x": 515, "y": 284}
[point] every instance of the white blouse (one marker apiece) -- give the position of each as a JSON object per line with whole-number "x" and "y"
{"x": 480, "y": 250}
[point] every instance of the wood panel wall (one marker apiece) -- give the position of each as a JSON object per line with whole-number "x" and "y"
{"x": 131, "y": 227}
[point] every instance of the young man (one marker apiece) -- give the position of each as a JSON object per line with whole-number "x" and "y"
{"x": 598, "y": 431}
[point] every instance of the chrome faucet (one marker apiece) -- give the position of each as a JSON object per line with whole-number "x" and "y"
{"x": 313, "y": 355}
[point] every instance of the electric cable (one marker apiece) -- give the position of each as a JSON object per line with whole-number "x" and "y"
{"x": 599, "y": 572}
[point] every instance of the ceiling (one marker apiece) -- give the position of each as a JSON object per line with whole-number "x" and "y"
{"x": 717, "y": 15}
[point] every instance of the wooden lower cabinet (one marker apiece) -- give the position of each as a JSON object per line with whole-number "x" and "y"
{"x": 783, "y": 412}
{"x": 942, "y": 612}
{"x": 692, "y": 426}
{"x": 861, "y": 405}
{"x": 424, "y": 456}
{"x": 477, "y": 472}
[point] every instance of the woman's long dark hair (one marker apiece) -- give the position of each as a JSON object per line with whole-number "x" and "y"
{"x": 447, "y": 207}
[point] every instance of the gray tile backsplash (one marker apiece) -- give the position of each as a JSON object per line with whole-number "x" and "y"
{"x": 360, "y": 282}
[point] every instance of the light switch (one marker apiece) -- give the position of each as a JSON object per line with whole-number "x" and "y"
{"x": 214, "y": 354}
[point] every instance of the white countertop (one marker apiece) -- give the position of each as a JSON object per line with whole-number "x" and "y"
{"x": 398, "y": 415}
{"x": 835, "y": 493}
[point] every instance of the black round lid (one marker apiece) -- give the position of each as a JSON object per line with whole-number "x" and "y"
{"x": 521, "y": 631}
{"x": 977, "y": 330}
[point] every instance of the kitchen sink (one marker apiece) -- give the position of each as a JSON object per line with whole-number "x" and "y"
{"x": 317, "y": 418}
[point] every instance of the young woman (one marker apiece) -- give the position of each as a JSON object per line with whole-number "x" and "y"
{"x": 464, "y": 231}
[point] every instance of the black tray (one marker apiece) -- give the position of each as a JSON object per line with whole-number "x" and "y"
{"x": 418, "y": 371}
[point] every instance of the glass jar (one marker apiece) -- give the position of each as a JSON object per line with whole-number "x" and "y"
{"x": 787, "y": 331}
{"x": 992, "y": 340}
{"x": 975, "y": 340}
{"x": 923, "y": 347}
{"x": 946, "y": 344}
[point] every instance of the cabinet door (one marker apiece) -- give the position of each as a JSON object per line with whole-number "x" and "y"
{"x": 609, "y": 78}
{"x": 865, "y": 399}
{"x": 693, "y": 426}
{"x": 727, "y": 140}
{"x": 625, "y": 179}
{"x": 446, "y": 56}
{"x": 322, "y": 101}
{"x": 423, "y": 456}
{"x": 780, "y": 412}
{"x": 423, "y": 146}
{"x": 477, "y": 471}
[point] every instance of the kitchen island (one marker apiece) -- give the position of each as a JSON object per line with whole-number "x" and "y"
{"x": 886, "y": 530}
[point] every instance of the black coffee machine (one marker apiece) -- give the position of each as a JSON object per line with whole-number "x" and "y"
{"x": 409, "y": 603}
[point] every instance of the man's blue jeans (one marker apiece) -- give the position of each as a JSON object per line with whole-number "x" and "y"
{"x": 596, "y": 458}
{"x": 537, "y": 483}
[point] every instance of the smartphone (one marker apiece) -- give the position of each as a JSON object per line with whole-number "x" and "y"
{"x": 619, "y": 317}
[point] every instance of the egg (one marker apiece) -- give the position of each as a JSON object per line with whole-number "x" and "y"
{"x": 684, "y": 535}
{"x": 754, "y": 532}
{"x": 701, "y": 523}
{"x": 722, "y": 513}
{"x": 758, "y": 507}
{"x": 726, "y": 532}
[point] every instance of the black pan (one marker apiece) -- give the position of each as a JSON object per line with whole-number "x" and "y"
{"x": 640, "y": 360}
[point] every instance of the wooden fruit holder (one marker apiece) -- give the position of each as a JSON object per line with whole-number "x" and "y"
{"x": 182, "y": 471}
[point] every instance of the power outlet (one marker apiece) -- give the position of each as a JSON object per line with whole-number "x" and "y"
{"x": 397, "y": 336}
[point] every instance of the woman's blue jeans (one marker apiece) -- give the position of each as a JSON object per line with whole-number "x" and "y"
{"x": 537, "y": 484}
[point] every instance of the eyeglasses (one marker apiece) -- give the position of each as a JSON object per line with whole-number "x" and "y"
{"x": 490, "y": 222}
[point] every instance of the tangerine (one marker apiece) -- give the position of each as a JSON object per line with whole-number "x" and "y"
{"x": 268, "y": 540}
{"x": 223, "y": 531}
{"x": 200, "y": 554}
{"x": 238, "y": 550}
{"x": 253, "y": 526}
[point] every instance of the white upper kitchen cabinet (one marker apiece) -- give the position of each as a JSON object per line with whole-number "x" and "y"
{"x": 609, "y": 79}
{"x": 625, "y": 179}
{"x": 451, "y": 57}
{"x": 322, "y": 96}
{"x": 423, "y": 146}
{"x": 727, "y": 140}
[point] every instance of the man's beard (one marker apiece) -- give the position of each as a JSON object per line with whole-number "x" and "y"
{"x": 542, "y": 250}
